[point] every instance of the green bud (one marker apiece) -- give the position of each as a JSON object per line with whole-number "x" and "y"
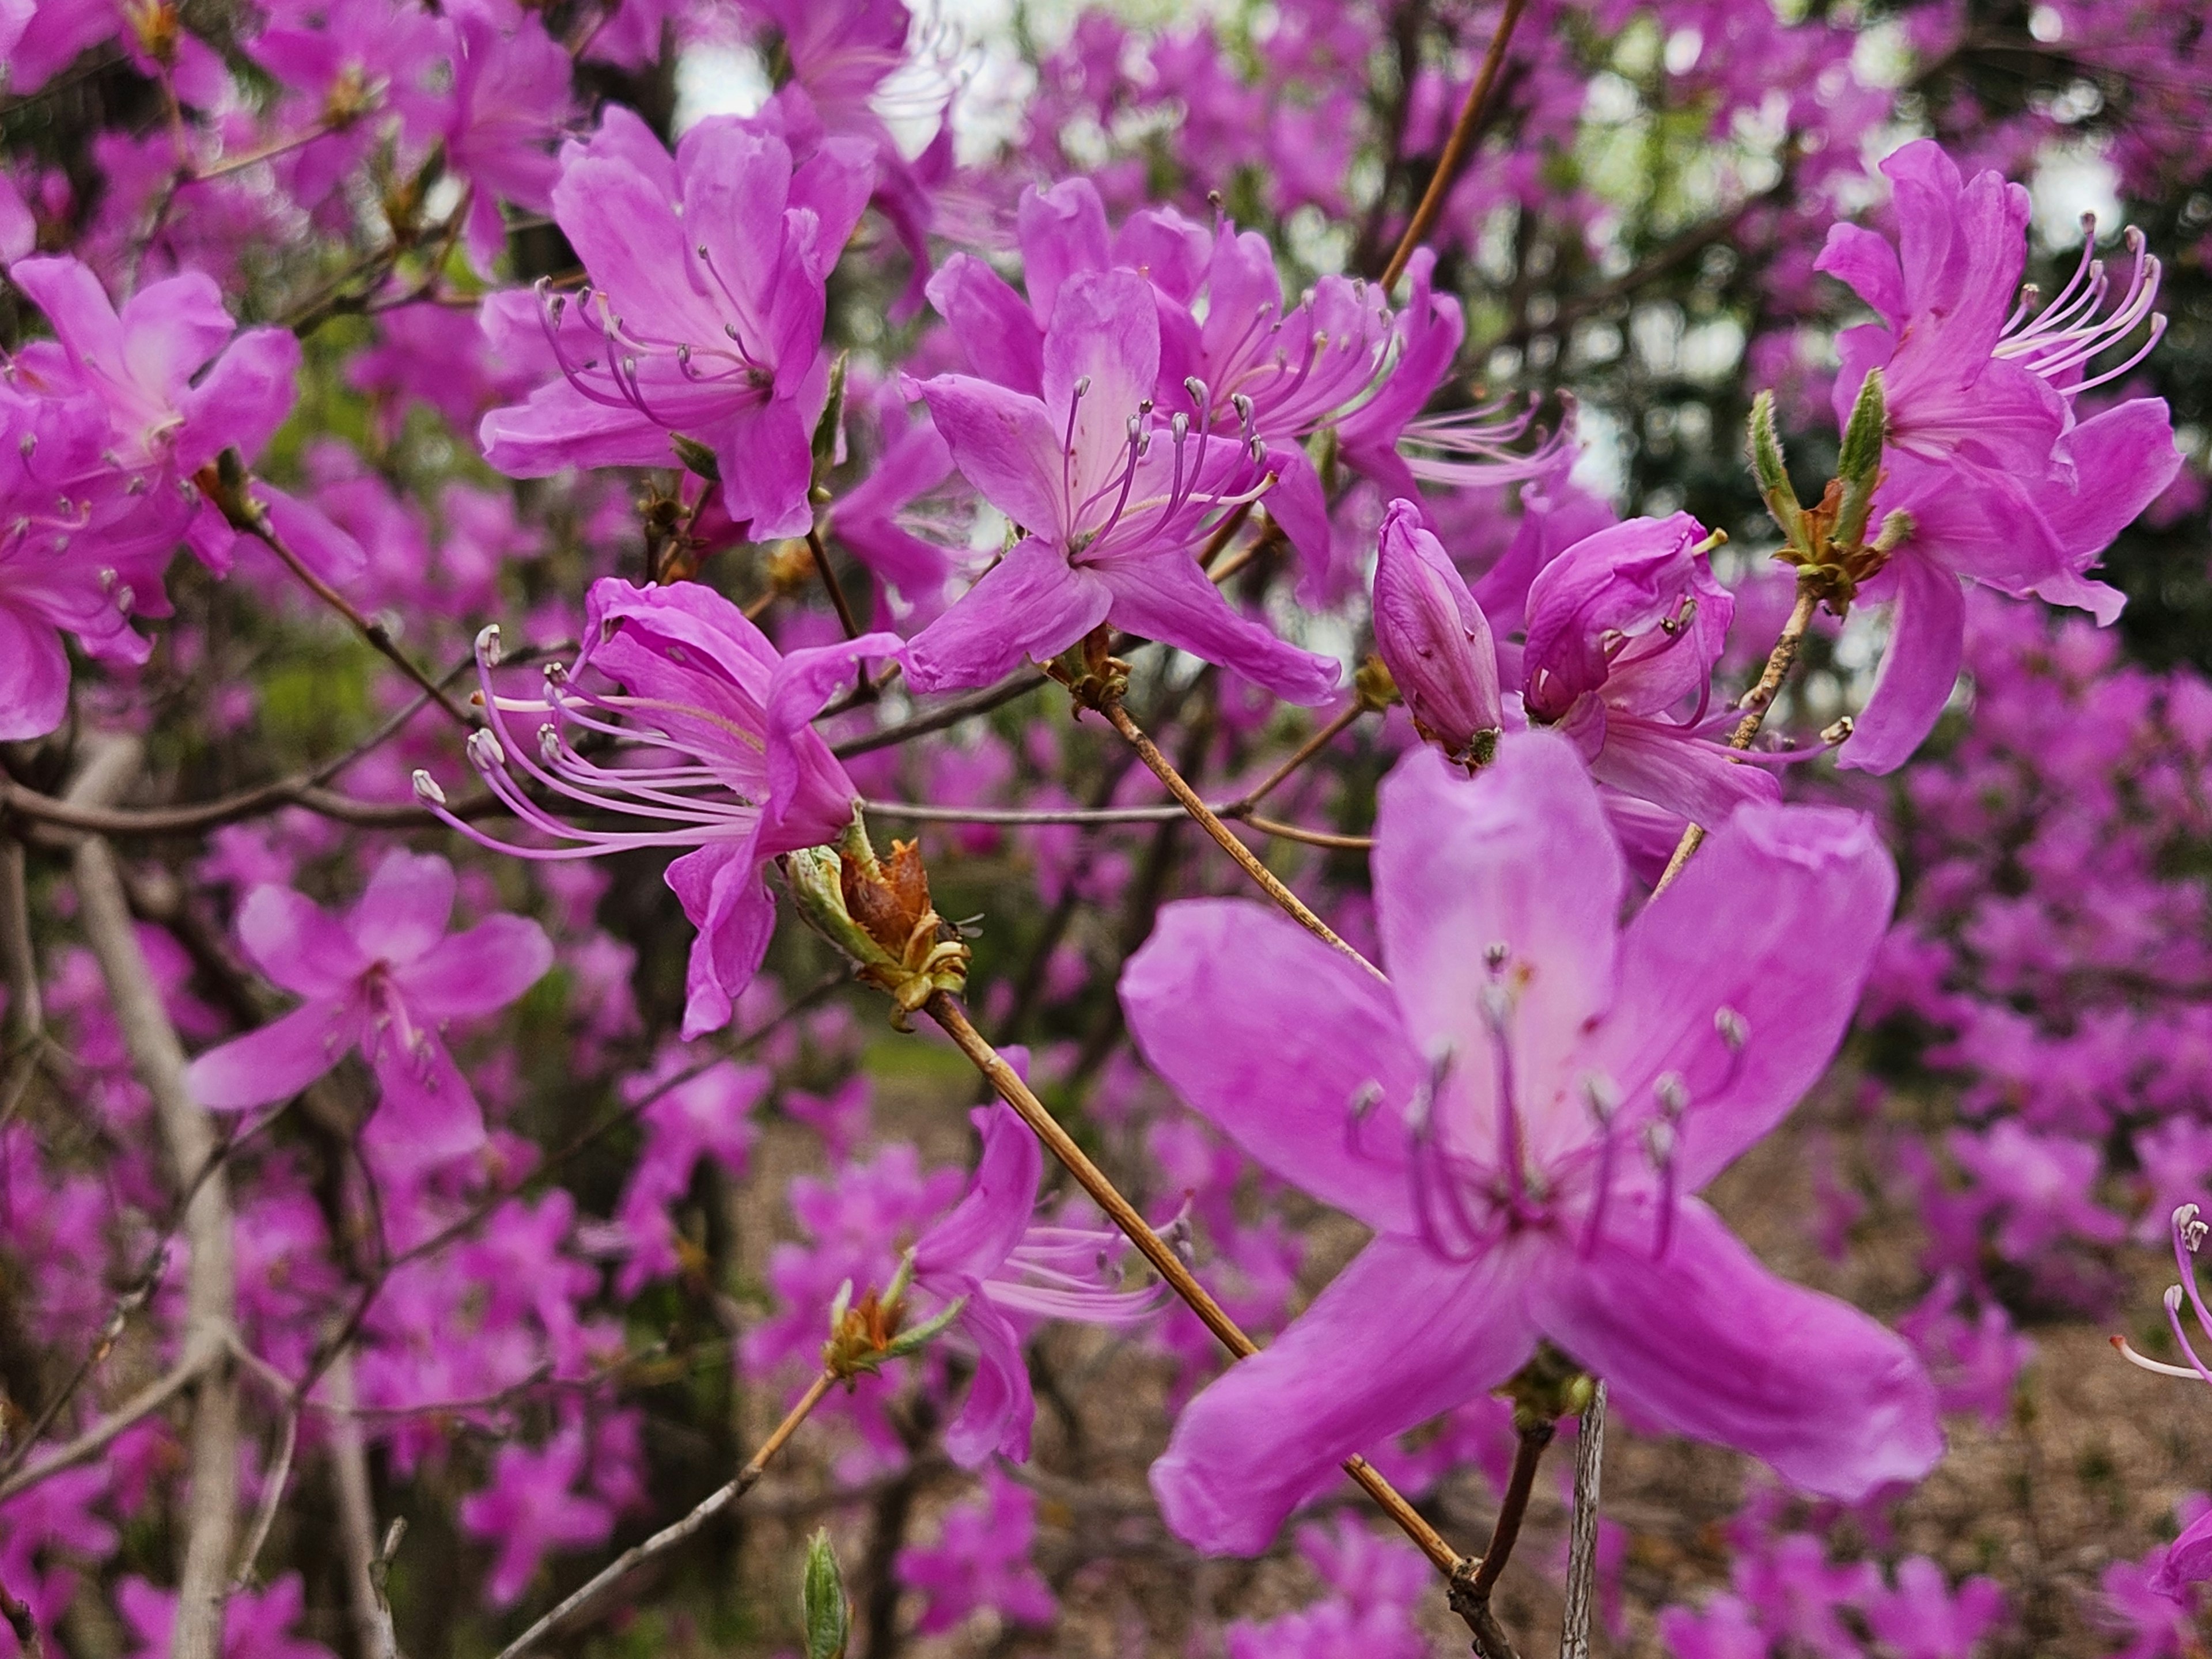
{"x": 696, "y": 457}
{"x": 828, "y": 1616}
{"x": 1767, "y": 467}
{"x": 817, "y": 890}
{"x": 1865, "y": 433}
{"x": 832, "y": 417}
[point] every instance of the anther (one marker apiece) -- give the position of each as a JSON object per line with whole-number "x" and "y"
{"x": 1735, "y": 1030}
{"x": 427, "y": 789}
{"x": 2189, "y": 1229}
{"x": 484, "y": 752}
{"x": 1673, "y": 1094}
{"x": 488, "y": 645}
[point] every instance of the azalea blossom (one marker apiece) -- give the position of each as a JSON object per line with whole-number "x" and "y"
{"x": 703, "y": 316}
{"x": 2000, "y": 483}
{"x": 1011, "y": 1270}
{"x": 1434, "y": 638}
{"x": 1624, "y": 630}
{"x": 1112, "y": 500}
{"x": 1524, "y": 1114}
{"x": 384, "y": 979}
{"x": 741, "y": 777}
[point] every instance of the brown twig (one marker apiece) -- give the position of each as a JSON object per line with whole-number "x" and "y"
{"x": 1471, "y": 1588}
{"x": 846, "y": 619}
{"x": 947, "y": 1012}
{"x": 950, "y": 713}
{"x": 1210, "y": 822}
{"x": 669, "y": 1537}
{"x": 1581, "y": 1549}
{"x": 1755, "y": 704}
{"x": 1455, "y": 147}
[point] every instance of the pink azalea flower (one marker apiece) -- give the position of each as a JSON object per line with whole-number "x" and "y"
{"x": 1523, "y": 1116}
{"x": 383, "y": 979}
{"x": 179, "y": 383}
{"x": 531, "y": 1508}
{"x": 1924, "y": 1619}
{"x": 2003, "y": 486}
{"x": 511, "y": 92}
{"x": 702, "y": 317}
{"x": 746, "y": 777}
{"x": 980, "y": 1559}
{"x": 255, "y": 1626}
{"x": 1112, "y": 498}
{"x": 1011, "y": 1270}
{"x": 1624, "y": 630}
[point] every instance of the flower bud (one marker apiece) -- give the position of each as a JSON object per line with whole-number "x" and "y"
{"x": 828, "y": 1614}
{"x": 1434, "y": 639}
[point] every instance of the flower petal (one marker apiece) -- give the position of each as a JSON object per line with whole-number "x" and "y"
{"x": 405, "y": 909}
{"x": 297, "y": 943}
{"x": 1005, "y": 444}
{"x": 995, "y": 1417}
{"x": 973, "y": 1239}
{"x": 1519, "y": 857}
{"x": 993, "y": 326}
{"x": 1398, "y": 1337}
{"x": 428, "y": 1114}
{"x": 1168, "y": 597}
{"x": 277, "y": 1060}
{"x": 1927, "y": 642}
{"x": 1031, "y": 603}
{"x": 1729, "y": 934}
{"x": 1274, "y": 1038}
{"x": 1704, "y": 1341}
{"x": 475, "y": 973}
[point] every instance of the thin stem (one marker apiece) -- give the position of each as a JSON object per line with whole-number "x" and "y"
{"x": 253, "y": 158}
{"x": 1582, "y": 1549}
{"x": 946, "y": 1010}
{"x": 1306, "y": 750}
{"x": 1161, "y": 768}
{"x": 375, "y": 632}
{"x": 951, "y": 714}
{"x": 669, "y": 1537}
{"x": 1472, "y": 1587}
{"x": 1455, "y": 147}
{"x": 272, "y": 1495}
{"x": 27, "y": 1021}
{"x": 1095, "y": 817}
{"x": 845, "y": 618}
{"x": 1756, "y": 702}
{"x": 97, "y": 1439}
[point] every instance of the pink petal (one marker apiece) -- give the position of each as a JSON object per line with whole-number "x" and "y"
{"x": 469, "y": 974}
{"x": 244, "y": 398}
{"x": 1005, "y": 444}
{"x": 428, "y": 1114}
{"x": 403, "y": 911}
{"x": 1927, "y": 641}
{"x": 1728, "y": 935}
{"x": 1105, "y": 331}
{"x": 1869, "y": 264}
{"x": 1398, "y": 1337}
{"x": 973, "y": 1239}
{"x": 1168, "y": 597}
{"x": 298, "y": 945}
{"x": 1031, "y": 603}
{"x": 34, "y": 675}
{"x": 1519, "y": 857}
{"x": 1704, "y": 1341}
{"x": 1276, "y": 1039}
{"x": 1062, "y": 231}
{"x": 722, "y": 891}
{"x": 276, "y": 1062}
{"x": 995, "y": 1417}
{"x": 991, "y": 322}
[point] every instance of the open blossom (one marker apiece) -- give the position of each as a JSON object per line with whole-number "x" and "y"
{"x": 739, "y": 775}
{"x": 1112, "y": 500}
{"x": 1434, "y": 638}
{"x": 179, "y": 382}
{"x": 383, "y": 980}
{"x": 531, "y": 1508}
{"x": 56, "y": 574}
{"x": 1624, "y": 630}
{"x": 1235, "y": 360}
{"x": 702, "y": 317}
{"x": 2004, "y": 486}
{"x": 1524, "y": 1114}
{"x": 980, "y": 1560}
{"x": 1012, "y": 1269}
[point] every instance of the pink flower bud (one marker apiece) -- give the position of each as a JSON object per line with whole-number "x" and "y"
{"x": 1434, "y": 638}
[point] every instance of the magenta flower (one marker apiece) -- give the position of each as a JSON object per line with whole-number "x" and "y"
{"x": 702, "y": 317}
{"x": 1984, "y": 454}
{"x": 980, "y": 1559}
{"x": 1523, "y": 1116}
{"x": 531, "y": 1508}
{"x": 255, "y": 1626}
{"x": 986, "y": 1250}
{"x": 1434, "y": 638}
{"x": 57, "y": 573}
{"x": 2187, "y": 1561}
{"x": 743, "y": 777}
{"x": 179, "y": 383}
{"x": 1624, "y": 630}
{"x": 383, "y": 979}
{"x": 1111, "y": 500}
{"x": 510, "y": 94}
